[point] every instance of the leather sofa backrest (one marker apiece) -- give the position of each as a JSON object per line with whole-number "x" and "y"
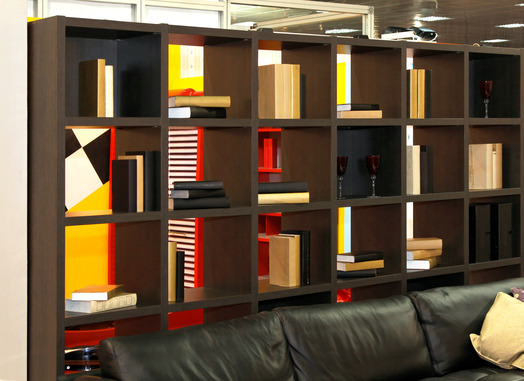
{"x": 366, "y": 340}
{"x": 449, "y": 314}
{"x": 249, "y": 348}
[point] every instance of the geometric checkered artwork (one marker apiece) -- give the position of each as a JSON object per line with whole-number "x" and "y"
{"x": 86, "y": 163}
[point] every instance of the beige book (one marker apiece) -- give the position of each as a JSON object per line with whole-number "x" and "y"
{"x": 421, "y": 93}
{"x": 284, "y": 260}
{"x": 139, "y": 179}
{"x": 423, "y": 243}
{"x": 359, "y": 114}
{"x": 497, "y": 165}
{"x": 109, "y": 87}
{"x": 413, "y": 93}
{"x": 283, "y": 198}
{"x": 279, "y": 91}
{"x": 423, "y": 254}
{"x": 92, "y": 88}
{"x": 413, "y": 169}
{"x": 171, "y": 272}
{"x": 200, "y": 100}
{"x": 485, "y": 166}
{"x": 366, "y": 265}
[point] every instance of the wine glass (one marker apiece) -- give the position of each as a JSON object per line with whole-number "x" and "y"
{"x": 342, "y": 163}
{"x": 486, "y": 87}
{"x": 373, "y": 164}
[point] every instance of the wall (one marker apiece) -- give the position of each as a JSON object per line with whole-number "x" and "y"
{"x": 13, "y": 192}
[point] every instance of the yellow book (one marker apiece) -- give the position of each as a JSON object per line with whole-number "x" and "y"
{"x": 283, "y": 198}
{"x": 423, "y": 254}
{"x": 359, "y": 114}
{"x": 423, "y": 243}
{"x": 171, "y": 271}
{"x": 348, "y": 266}
{"x": 284, "y": 260}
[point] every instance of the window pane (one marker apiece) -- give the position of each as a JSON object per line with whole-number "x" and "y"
{"x": 92, "y": 10}
{"x": 179, "y": 16}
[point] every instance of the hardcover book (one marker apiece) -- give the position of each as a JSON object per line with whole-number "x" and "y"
{"x": 423, "y": 254}
{"x": 413, "y": 169}
{"x": 357, "y": 273}
{"x": 479, "y": 233}
{"x": 357, "y": 106}
{"x": 282, "y": 187}
{"x": 204, "y": 184}
{"x": 359, "y": 114}
{"x": 125, "y": 299}
{"x": 279, "y": 91}
{"x": 284, "y": 260}
{"x": 199, "y": 203}
{"x": 424, "y": 243}
{"x": 92, "y": 88}
{"x": 360, "y": 256}
{"x": 348, "y": 266}
{"x": 197, "y": 193}
{"x": 422, "y": 264}
{"x": 123, "y": 189}
{"x": 501, "y": 230}
{"x": 426, "y": 169}
{"x": 151, "y": 189}
{"x": 97, "y": 292}
{"x": 283, "y": 198}
{"x": 485, "y": 166}
{"x": 197, "y": 112}
{"x": 139, "y": 179}
{"x": 200, "y": 101}
{"x": 305, "y": 238}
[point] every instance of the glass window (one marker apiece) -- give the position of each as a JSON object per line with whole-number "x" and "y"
{"x": 180, "y": 16}
{"x": 92, "y": 10}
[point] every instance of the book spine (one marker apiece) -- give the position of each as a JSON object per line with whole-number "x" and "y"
{"x": 180, "y": 265}
{"x": 124, "y": 196}
{"x": 283, "y": 187}
{"x": 201, "y": 203}
{"x": 479, "y": 233}
{"x": 283, "y": 198}
{"x": 205, "y": 184}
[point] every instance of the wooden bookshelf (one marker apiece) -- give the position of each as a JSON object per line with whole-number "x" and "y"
{"x": 309, "y": 146}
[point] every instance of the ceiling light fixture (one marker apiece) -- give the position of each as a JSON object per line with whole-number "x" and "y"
{"x": 432, "y": 18}
{"x": 519, "y": 5}
{"x": 341, "y": 31}
{"x": 510, "y": 26}
{"x": 494, "y": 41}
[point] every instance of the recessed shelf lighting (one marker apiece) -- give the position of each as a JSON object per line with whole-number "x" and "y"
{"x": 341, "y": 31}
{"x": 494, "y": 41}
{"x": 510, "y": 26}
{"x": 432, "y": 18}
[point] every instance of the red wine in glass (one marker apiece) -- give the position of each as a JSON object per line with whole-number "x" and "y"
{"x": 486, "y": 87}
{"x": 373, "y": 164}
{"x": 342, "y": 163}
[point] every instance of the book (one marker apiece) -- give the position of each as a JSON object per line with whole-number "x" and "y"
{"x": 360, "y": 256}
{"x": 485, "y": 166}
{"x": 125, "y": 299}
{"x": 97, "y": 292}
{"x": 139, "y": 179}
{"x": 109, "y": 91}
{"x": 92, "y": 88}
{"x": 282, "y": 187}
{"x": 413, "y": 169}
{"x": 413, "y": 93}
{"x": 201, "y": 101}
{"x": 423, "y": 243}
{"x": 357, "y": 273}
{"x": 279, "y": 91}
{"x": 199, "y": 203}
{"x": 359, "y": 114}
{"x": 152, "y": 177}
{"x": 176, "y": 265}
{"x": 423, "y": 253}
{"x": 501, "y": 230}
{"x": 423, "y": 93}
{"x": 283, "y": 198}
{"x": 123, "y": 187}
{"x": 197, "y": 112}
{"x": 284, "y": 260}
{"x": 348, "y": 266}
{"x": 422, "y": 264}
{"x": 197, "y": 193}
{"x": 426, "y": 169}
{"x": 305, "y": 269}
{"x": 357, "y": 106}
{"x": 479, "y": 233}
{"x": 203, "y": 184}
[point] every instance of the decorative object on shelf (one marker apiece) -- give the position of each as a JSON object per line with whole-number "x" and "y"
{"x": 373, "y": 164}
{"x": 486, "y": 87}
{"x": 342, "y": 164}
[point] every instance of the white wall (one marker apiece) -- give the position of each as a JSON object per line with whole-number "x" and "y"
{"x": 13, "y": 190}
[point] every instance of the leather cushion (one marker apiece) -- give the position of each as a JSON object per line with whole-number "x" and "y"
{"x": 249, "y": 348}
{"x": 448, "y": 316}
{"x": 483, "y": 373}
{"x": 366, "y": 340}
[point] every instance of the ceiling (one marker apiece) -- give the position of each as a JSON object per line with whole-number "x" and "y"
{"x": 472, "y": 21}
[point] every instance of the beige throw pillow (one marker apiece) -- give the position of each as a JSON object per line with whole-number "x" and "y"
{"x": 501, "y": 339}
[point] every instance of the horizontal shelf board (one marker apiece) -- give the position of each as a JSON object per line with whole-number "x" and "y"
{"x": 435, "y": 48}
{"x": 92, "y": 122}
{"x": 493, "y": 50}
{"x": 92, "y": 28}
{"x": 368, "y": 201}
{"x": 495, "y": 264}
{"x": 107, "y": 217}
{"x": 193, "y": 36}
{"x": 436, "y": 122}
{"x": 445, "y": 270}
{"x": 321, "y": 122}
{"x": 275, "y": 208}
{"x": 72, "y": 319}
{"x": 478, "y": 122}
{"x": 268, "y": 292}
{"x": 368, "y": 123}
{"x": 205, "y": 297}
{"x": 209, "y": 122}
{"x": 216, "y": 212}
{"x": 435, "y": 196}
{"x": 494, "y": 192}
{"x": 370, "y": 44}
{"x": 371, "y": 281}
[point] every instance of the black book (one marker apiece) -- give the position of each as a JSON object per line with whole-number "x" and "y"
{"x": 282, "y": 187}
{"x": 180, "y": 265}
{"x": 501, "y": 231}
{"x": 360, "y": 256}
{"x": 357, "y": 106}
{"x": 152, "y": 178}
{"x": 197, "y": 112}
{"x": 305, "y": 250}
{"x": 124, "y": 186}
{"x": 204, "y": 184}
{"x": 357, "y": 273}
{"x": 479, "y": 233}
{"x": 199, "y": 203}
{"x": 197, "y": 193}
{"x": 426, "y": 169}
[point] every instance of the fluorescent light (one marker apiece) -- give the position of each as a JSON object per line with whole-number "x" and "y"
{"x": 494, "y": 41}
{"x": 519, "y": 5}
{"x": 432, "y": 18}
{"x": 514, "y": 25}
{"x": 340, "y": 31}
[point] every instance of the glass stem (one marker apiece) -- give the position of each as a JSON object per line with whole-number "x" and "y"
{"x": 486, "y": 101}
{"x": 339, "y": 187}
{"x": 373, "y": 178}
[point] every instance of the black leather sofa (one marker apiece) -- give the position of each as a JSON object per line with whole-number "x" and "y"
{"x": 421, "y": 336}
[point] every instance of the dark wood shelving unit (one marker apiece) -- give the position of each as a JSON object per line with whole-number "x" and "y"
{"x": 309, "y": 146}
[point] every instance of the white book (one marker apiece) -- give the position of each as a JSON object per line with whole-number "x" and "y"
{"x": 125, "y": 299}
{"x": 413, "y": 169}
{"x": 110, "y": 103}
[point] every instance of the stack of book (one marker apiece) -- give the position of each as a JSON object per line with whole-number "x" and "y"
{"x": 136, "y": 182}
{"x": 419, "y": 169}
{"x": 198, "y": 195}
{"x": 95, "y": 88}
{"x": 359, "y": 264}
{"x": 358, "y": 111}
{"x": 289, "y": 258}
{"x": 97, "y": 298}
{"x": 423, "y": 253}
{"x": 283, "y": 192}
{"x": 485, "y": 166}
{"x": 199, "y": 106}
